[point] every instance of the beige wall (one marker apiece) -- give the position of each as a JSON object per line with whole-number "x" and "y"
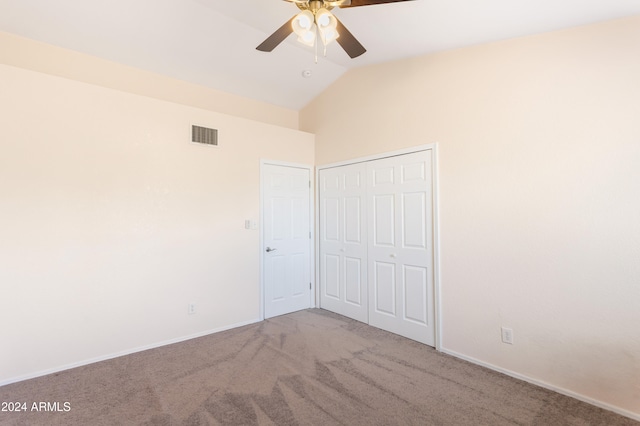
{"x": 112, "y": 221}
{"x": 25, "y": 53}
{"x": 539, "y": 180}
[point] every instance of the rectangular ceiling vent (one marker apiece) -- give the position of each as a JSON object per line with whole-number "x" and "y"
{"x": 204, "y": 135}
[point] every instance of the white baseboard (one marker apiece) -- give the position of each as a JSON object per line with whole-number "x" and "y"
{"x": 123, "y": 353}
{"x": 542, "y": 384}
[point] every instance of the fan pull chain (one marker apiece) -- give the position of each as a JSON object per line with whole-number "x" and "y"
{"x": 316, "y": 43}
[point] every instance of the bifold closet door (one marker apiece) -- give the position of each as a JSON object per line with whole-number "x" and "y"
{"x": 400, "y": 246}
{"x": 343, "y": 241}
{"x": 376, "y": 244}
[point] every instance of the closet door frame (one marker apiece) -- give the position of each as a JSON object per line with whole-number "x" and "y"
{"x": 436, "y": 228}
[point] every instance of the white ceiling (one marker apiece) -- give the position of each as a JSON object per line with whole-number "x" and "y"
{"x": 212, "y": 42}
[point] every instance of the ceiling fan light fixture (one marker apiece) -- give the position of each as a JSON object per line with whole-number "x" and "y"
{"x": 329, "y": 35}
{"x": 325, "y": 19}
{"x": 308, "y": 37}
{"x": 327, "y": 24}
{"x": 302, "y": 22}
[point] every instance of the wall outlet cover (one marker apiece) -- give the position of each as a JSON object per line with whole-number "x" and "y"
{"x": 507, "y": 335}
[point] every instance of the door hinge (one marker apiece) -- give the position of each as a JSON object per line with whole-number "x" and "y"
{"x": 309, "y": 184}
{"x": 309, "y": 234}
{"x": 309, "y": 286}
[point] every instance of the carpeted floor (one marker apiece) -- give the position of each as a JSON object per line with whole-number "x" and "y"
{"x": 308, "y": 368}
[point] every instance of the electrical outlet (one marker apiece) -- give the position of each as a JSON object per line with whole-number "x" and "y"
{"x": 507, "y": 335}
{"x": 191, "y": 308}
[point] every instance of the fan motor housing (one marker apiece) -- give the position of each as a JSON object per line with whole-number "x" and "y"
{"x": 315, "y": 5}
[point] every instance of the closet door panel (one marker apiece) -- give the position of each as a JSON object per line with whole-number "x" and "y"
{"x": 400, "y": 254}
{"x": 343, "y": 241}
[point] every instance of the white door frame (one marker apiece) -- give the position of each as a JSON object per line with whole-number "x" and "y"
{"x": 436, "y": 224}
{"x": 312, "y": 245}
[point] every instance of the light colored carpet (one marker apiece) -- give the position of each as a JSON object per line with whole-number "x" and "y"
{"x": 307, "y": 368}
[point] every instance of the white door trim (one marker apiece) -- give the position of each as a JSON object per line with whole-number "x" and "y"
{"x": 436, "y": 223}
{"x": 312, "y": 254}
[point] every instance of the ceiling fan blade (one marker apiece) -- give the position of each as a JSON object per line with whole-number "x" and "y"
{"x": 277, "y": 37}
{"x": 348, "y": 41}
{"x": 356, "y": 3}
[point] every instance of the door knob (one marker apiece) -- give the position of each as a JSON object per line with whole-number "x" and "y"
{"x": 393, "y": 256}
{"x": 269, "y": 249}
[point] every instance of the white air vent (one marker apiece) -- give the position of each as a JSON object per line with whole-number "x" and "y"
{"x": 204, "y": 135}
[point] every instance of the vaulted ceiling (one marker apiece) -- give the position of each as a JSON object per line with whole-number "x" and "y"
{"x": 212, "y": 42}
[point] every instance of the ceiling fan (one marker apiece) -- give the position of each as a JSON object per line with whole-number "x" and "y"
{"x": 317, "y": 22}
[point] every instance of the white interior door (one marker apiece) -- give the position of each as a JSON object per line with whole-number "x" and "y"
{"x": 400, "y": 250}
{"x": 286, "y": 239}
{"x": 343, "y": 241}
